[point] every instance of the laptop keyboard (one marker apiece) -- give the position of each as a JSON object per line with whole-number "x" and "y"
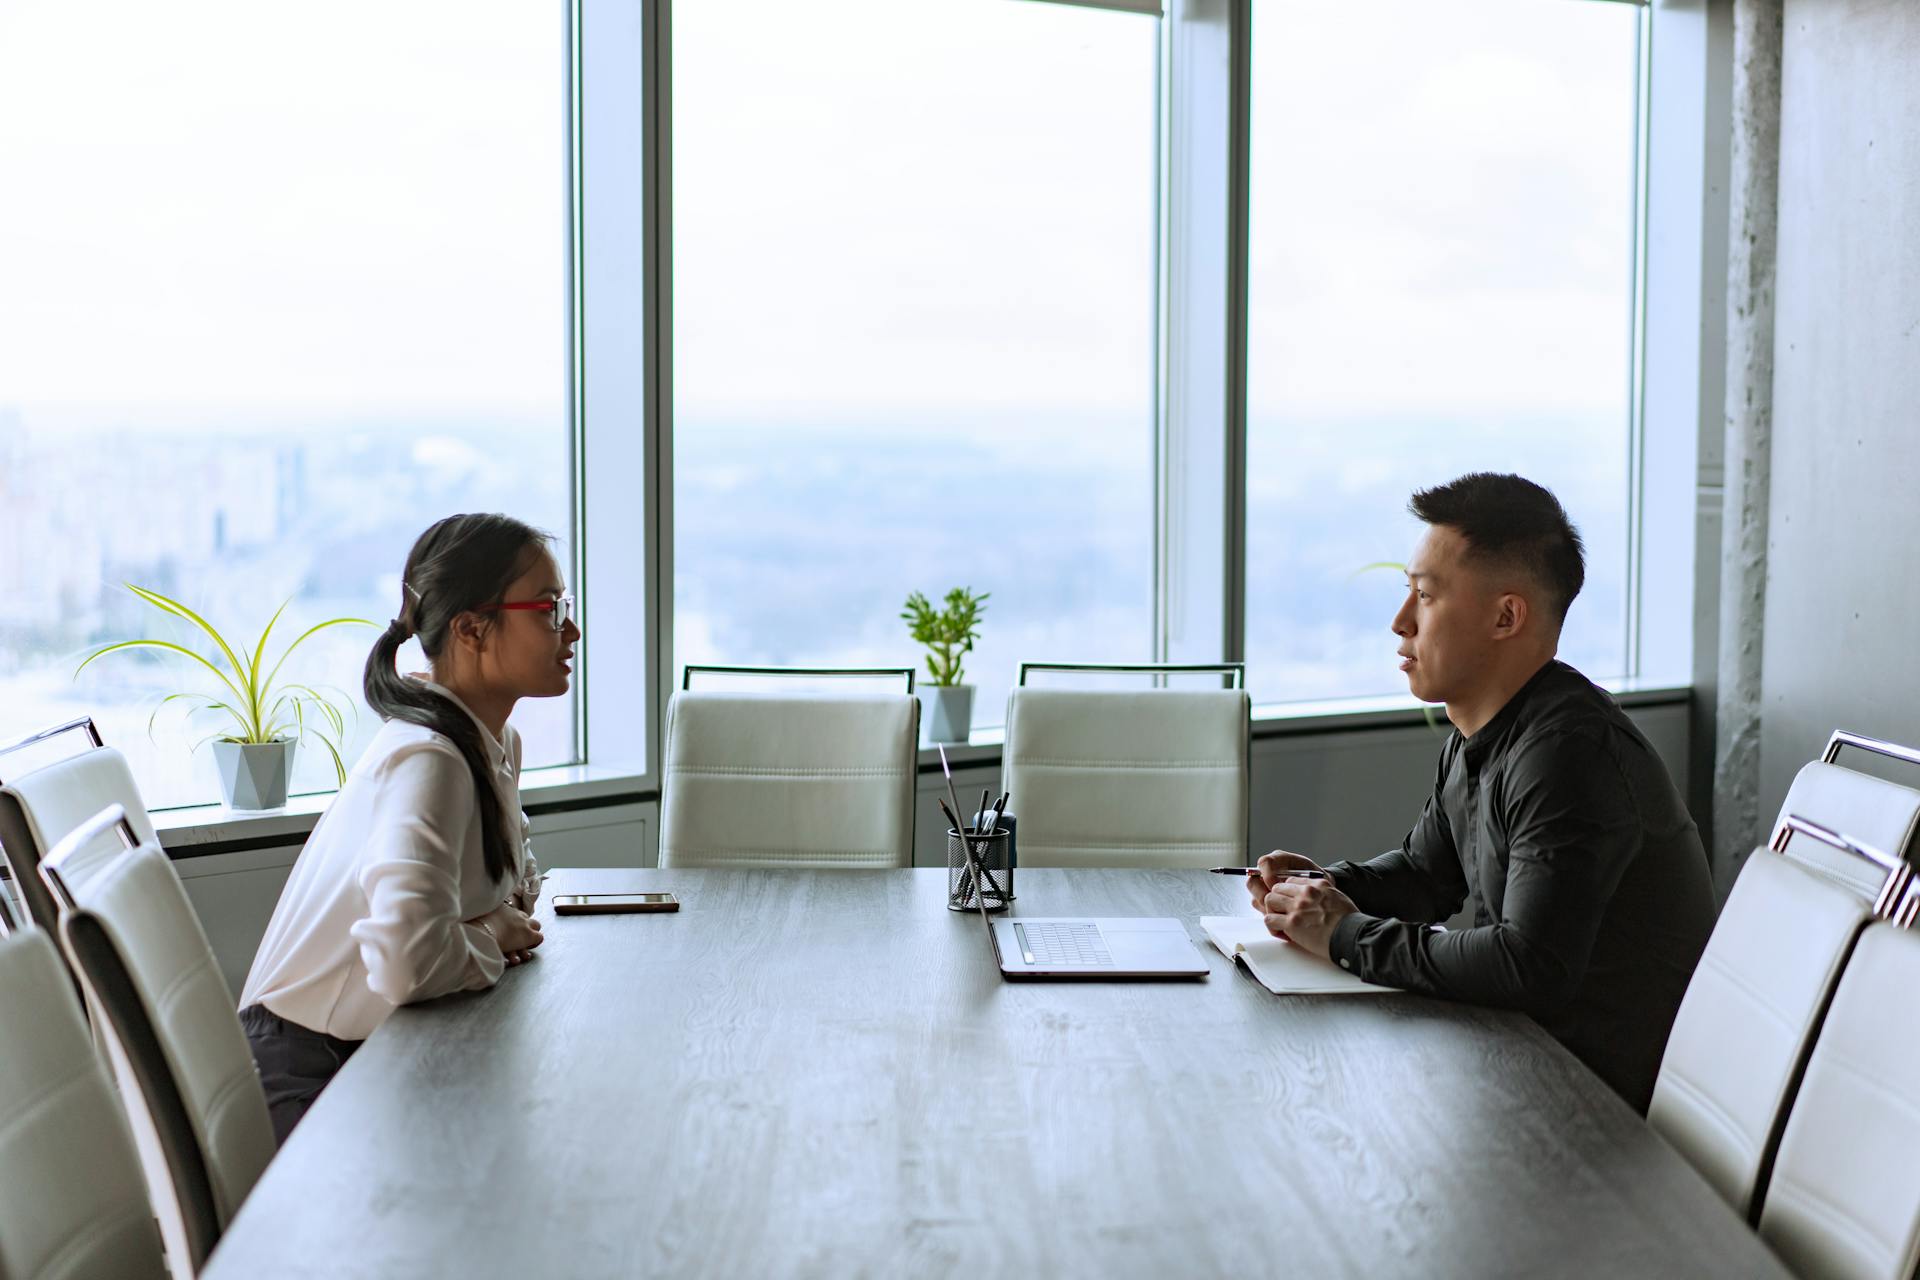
{"x": 1066, "y": 943}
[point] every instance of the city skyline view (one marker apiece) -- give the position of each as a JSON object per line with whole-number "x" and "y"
{"x": 333, "y": 542}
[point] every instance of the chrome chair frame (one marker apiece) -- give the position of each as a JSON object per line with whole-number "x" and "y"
{"x": 686, "y": 672}
{"x": 1896, "y": 894}
{"x": 31, "y": 904}
{"x": 77, "y": 844}
{"x": 1233, "y": 673}
{"x": 83, "y": 722}
{"x": 1878, "y": 746}
{"x": 1830, "y": 755}
{"x": 1899, "y": 898}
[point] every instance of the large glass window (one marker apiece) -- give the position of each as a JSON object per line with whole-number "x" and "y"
{"x": 913, "y": 328}
{"x": 282, "y": 285}
{"x": 1441, "y": 282}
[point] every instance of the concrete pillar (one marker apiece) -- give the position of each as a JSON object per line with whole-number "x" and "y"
{"x": 1753, "y": 217}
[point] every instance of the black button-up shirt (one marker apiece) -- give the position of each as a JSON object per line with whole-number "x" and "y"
{"x": 1593, "y": 900}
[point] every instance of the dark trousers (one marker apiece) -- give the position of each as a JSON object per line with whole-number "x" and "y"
{"x": 294, "y": 1064}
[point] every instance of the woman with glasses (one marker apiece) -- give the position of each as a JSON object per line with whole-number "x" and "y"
{"x": 418, "y": 881}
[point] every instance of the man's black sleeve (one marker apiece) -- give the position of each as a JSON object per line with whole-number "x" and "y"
{"x": 1422, "y": 879}
{"x": 1573, "y": 828}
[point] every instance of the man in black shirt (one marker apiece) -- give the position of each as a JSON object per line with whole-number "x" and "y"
{"x": 1591, "y": 891}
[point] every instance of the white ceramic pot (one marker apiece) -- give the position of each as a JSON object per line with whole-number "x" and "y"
{"x": 254, "y": 775}
{"x": 948, "y": 711}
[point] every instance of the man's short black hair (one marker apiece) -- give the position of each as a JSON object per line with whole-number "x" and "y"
{"x": 1511, "y": 521}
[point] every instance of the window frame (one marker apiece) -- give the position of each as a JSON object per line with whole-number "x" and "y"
{"x": 618, "y": 139}
{"x": 618, "y": 129}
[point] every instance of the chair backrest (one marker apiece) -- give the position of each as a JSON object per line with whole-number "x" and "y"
{"x": 146, "y": 967}
{"x": 792, "y": 676}
{"x": 1748, "y": 1020}
{"x": 1881, "y": 813}
{"x": 72, "y": 1202}
{"x": 1156, "y": 778}
{"x": 40, "y": 807}
{"x": 1845, "y": 1196}
{"x": 774, "y": 780}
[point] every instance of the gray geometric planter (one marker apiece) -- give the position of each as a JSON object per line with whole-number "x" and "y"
{"x": 254, "y": 775}
{"x": 948, "y": 711}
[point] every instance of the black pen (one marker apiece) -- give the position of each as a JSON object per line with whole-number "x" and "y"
{"x": 999, "y": 811}
{"x": 1248, "y": 871}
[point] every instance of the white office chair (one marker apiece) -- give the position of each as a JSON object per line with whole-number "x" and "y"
{"x": 39, "y": 807}
{"x": 1153, "y": 778}
{"x": 72, "y": 1202}
{"x": 1878, "y": 813}
{"x": 1749, "y": 1018}
{"x": 1844, "y": 1203}
{"x": 147, "y": 972}
{"x": 789, "y": 780}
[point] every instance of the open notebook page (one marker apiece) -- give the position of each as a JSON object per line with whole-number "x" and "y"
{"x": 1281, "y": 967}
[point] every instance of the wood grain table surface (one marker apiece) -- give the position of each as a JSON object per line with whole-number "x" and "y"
{"x": 823, "y": 1074}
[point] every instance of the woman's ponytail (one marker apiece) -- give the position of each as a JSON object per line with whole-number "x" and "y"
{"x": 457, "y": 565}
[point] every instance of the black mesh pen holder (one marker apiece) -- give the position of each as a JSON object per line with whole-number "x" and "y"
{"x": 994, "y": 853}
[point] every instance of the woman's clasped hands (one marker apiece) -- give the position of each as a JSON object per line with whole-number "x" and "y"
{"x": 517, "y": 932}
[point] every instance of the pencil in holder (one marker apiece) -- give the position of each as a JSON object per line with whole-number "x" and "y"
{"x": 993, "y": 852}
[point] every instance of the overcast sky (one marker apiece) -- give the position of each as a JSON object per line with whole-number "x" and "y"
{"x": 248, "y": 209}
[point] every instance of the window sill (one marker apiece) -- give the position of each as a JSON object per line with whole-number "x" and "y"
{"x": 194, "y": 830}
{"x": 201, "y": 829}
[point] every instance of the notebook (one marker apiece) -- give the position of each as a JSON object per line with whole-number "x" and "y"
{"x": 1281, "y": 967}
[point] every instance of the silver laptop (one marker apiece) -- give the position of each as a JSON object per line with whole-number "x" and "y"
{"x": 1068, "y": 947}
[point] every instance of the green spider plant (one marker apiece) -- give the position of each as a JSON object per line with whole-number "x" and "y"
{"x": 261, "y": 708}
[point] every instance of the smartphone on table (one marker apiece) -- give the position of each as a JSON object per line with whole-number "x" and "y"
{"x": 600, "y": 904}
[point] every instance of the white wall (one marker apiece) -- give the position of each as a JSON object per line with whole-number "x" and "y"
{"x": 1843, "y": 582}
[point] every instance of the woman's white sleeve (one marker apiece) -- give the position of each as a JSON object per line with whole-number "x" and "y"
{"x": 413, "y": 941}
{"x": 526, "y": 892}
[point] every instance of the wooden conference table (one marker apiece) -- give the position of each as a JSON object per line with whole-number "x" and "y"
{"x": 823, "y": 1074}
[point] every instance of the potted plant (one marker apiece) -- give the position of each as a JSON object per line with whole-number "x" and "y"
{"x": 948, "y": 633}
{"x": 254, "y": 755}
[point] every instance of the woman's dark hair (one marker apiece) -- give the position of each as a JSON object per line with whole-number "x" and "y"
{"x": 458, "y": 564}
{"x": 1512, "y": 521}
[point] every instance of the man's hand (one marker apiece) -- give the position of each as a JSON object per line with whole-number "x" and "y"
{"x": 1272, "y": 869}
{"x": 1304, "y": 912}
{"x": 517, "y": 932}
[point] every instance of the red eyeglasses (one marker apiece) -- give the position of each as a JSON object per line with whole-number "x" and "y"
{"x": 560, "y": 608}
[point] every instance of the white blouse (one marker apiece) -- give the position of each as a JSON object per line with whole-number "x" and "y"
{"x": 372, "y": 916}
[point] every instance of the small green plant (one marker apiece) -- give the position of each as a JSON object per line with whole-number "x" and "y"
{"x": 261, "y": 709}
{"x": 948, "y": 633}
